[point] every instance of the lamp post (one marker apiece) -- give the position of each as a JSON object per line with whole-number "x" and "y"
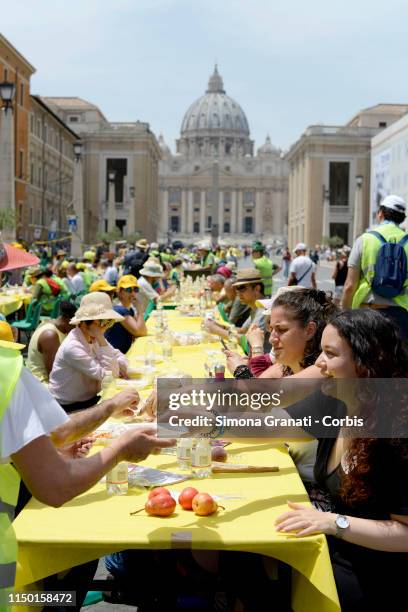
{"x": 132, "y": 212}
{"x": 325, "y": 219}
{"x": 76, "y": 221}
{"x": 358, "y": 208}
{"x": 215, "y": 202}
{"x": 111, "y": 200}
{"x": 7, "y": 187}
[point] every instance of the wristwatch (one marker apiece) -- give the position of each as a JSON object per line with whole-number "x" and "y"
{"x": 342, "y": 523}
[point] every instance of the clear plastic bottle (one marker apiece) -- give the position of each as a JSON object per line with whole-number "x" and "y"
{"x": 107, "y": 381}
{"x": 117, "y": 482}
{"x": 184, "y": 449}
{"x": 149, "y": 353}
{"x": 201, "y": 458}
{"x": 167, "y": 348}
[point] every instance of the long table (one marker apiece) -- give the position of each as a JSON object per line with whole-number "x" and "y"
{"x": 11, "y": 303}
{"x": 95, "y": 524}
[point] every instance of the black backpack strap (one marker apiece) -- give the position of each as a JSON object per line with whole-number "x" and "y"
{"x": 403, "y": 240}
{"x": 303, "y": 275}
{"x": 378, "y": 235}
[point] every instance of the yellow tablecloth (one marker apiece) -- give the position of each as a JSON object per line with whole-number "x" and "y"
{"x": 11, "y": 303}
{"x": 95, "y": 524}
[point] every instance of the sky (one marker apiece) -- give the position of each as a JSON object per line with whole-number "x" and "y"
{"x": 288, "y": 63}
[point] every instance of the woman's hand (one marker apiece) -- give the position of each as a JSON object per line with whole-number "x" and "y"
{"x": 306, "y": 521}
{"x": 234, "y": 360}
{"x": 255, "y": 335}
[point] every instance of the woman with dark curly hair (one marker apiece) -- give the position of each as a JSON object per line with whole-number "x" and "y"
{"x": 296, "y": 325}
{"x": 366, "y": 479}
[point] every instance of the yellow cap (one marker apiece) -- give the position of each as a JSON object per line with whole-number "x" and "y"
{"x": 126, "y": 281}
{"x": 80, "y": 265}
{"x": 101, "y": 285}
{"x": 7, "y": 338}
{"x": 64, "y": 264}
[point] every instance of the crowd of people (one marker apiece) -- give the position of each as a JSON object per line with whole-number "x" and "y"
{"x": 358, "y": 486}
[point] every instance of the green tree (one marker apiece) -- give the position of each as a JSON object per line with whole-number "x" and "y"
{"x": 7, "y": 218}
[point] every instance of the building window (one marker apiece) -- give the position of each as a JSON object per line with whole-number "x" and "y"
{"x": 209, "y": 222}
{"x": 119, "y": 167}
{"x": 73, "y": 119}
{"x": 248, "y": 225}
{"x": 31, "y": 216}
{"x": 5, "y": 74}
{"x": 196, "y": 210}
{"x": 196, "y": 227}
{"x": 32, "y": 174}
{"x": 227, "y": 197}
{"x": 339, "y": 175}
{"x": 196, "y": 196}
{"x": 209, "y": 197}
{"x": 227, "y": 227}
{"x": 382, "y": 124}
{"x": 21, "y": 164}
{"x": 175, "y": 224}
{"x": 175, "y": 196}
{"x": 341, "y": 230}
{"x": 248, "y": 197}
{"x": 22, "y": 94}
{"x": 32, "y": 124}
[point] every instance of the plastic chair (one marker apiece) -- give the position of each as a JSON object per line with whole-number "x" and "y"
{"x": 55, "y": 310}
{"x": 150, "y": 306}
{"x": 30, "y": 323}
{"x": 244, "y": 345}
{"x": 221, "y": 310}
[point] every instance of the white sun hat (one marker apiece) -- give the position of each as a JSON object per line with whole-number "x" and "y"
{"x": 95, "y": 306}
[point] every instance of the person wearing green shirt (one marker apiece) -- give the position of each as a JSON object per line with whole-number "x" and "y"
{"x": 265, "y": 266}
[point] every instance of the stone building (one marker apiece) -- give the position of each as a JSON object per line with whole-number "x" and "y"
{"x": 215, "y": 154}
{"x": 329, "y": 176}
{"x": 14, "y": 135}
{"x": 120, "y": 170}
{"x": 51, "y": 173}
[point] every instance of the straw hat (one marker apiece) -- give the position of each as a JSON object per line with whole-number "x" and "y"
{"x": 152, "y": 269}
{"x": 7, "y": 338}
{"x": 204, "y": 246}
{"x": 12, "y": 258}
{"x": 101, "y": 285}
{"x": 248, "y": 276}
{"x": 126, "y": 281}
{"x": 142, "y": 244}
{"x": 95, "y": 306}
{"x": 35, "y": 271}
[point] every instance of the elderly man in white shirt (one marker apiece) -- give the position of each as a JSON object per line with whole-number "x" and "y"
{"x": 85, "y": 357}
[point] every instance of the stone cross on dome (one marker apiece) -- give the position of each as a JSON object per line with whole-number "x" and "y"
{"x": 215, "y": 84}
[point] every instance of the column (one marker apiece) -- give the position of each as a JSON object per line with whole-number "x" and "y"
{"x": 7, "y": 188}
{"x": 325, "y": 220}
{"x": 78, "y": 234}
{"x": 183, "y": 211}
{"x": 221, "y": 213}
{"x": 358, "y": 228}
{"x": 165, "y": 212}
{"x": 240, "y": 214}
{"x": 258, "y": 211}
{"x": 190, "y": 209}
{"x": 203, "y": 221}
{"x": 233, "y": 212}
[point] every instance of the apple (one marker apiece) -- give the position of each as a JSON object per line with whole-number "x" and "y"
{"x": 186, "y": 498}
{"x": 160, "y": 505}
{"x": 218, "y": 453}
{"x": 204, "y": 504}
{"x": 158, "y": 491}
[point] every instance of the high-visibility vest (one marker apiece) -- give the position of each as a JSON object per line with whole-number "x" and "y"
{"x": 47, "y": 299}
{"x": 371, "y": 245}
{"x": 11, "y": 363}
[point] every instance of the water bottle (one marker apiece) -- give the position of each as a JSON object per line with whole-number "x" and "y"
{"x": 167, "y": 348}
{"x": 184, "y": 448}
{"x": 149, "y": 353}
{"x": 201, "y": 458}
{"x": 117, "y": 482}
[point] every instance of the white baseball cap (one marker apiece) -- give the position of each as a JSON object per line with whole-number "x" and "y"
{"x": 394, "y": 202}
{"x": 300, "y": 247}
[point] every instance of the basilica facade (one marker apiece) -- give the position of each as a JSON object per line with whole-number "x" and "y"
{"x": 215, "y": 159}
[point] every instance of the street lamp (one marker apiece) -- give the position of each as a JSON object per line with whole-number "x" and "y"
{"x": 7, "y": 91}
{"x": 77, "y": 150}
{"x": 358, "y": 208}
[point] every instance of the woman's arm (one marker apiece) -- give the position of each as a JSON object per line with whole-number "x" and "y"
{"x": 387, "y": 535}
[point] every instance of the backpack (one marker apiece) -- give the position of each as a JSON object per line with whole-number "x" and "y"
{"x": 53, "y": 285}
{"x": 390, "y": 270}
